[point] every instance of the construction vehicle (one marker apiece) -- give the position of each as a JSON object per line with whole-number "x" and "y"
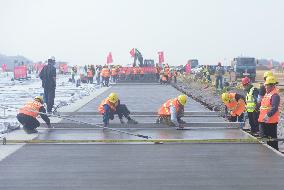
{"x": 193, "y": 63}
{"x": 244, "y": 66}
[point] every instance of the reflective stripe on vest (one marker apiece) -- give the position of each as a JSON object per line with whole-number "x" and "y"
{"x": 31, "y": 108}
{"x": 250, "y": 103}
{"x": 104, "y": 102}
{"x": 266, "y": 107}
{"x": 165, "y": 108}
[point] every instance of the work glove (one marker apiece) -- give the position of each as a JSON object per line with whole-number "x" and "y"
{"x": 265, "y": 119}
{"x": 122, "y": 121}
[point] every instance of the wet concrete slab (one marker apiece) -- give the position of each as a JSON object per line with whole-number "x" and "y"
{"x": 160, "y": 133}
{"x": 142, "y": 98}
{"x": 166, "y": 166}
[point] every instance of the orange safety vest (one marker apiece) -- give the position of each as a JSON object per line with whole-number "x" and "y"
{"x": 105, "y": 72}
{"x": 113, "y": 72}
{"x": 266, "y": 107}
{"x": 165, "y": 108}
{"x": 135, "y": 71}
{"x": 90, "y": 73}
{"x": 31, "y": 108}
{"x": 175, "y": 73}
{"x": 237, "y": 107}
{"x": 167, "y": 71}
{"x": 142, "y": 72}
{"x": 104, "y": 102}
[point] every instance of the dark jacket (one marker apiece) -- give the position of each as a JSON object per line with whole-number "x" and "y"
{"x": 48, "y": 75}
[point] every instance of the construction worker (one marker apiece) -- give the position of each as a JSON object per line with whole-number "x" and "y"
{"x": 251, "y": 101}
{"x": 28, "y": 113}
{"x": 175, "y": 75}
{"x": 105, "y": 73}
{"x": 172, "y": 110}
{"x": 110, "y": 106}
{"x": 90, "y": 75}
{"x": 114, "y": 74}
{"x": 269, "y": 111}
{"x": 261, "y": 93}
{"x": 236, "y": 105}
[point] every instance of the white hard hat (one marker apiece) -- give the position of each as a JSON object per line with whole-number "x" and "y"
{"x": 52, "y": 58}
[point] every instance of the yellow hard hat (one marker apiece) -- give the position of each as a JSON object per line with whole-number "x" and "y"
{"x": 113, "y": 97}
{"x": 182, "y": 99}
{"x": 267, "y": 74}
{"x": 270, "y": 80}
{"x": 39, "y": 99}
{"x": 225, "y": 97}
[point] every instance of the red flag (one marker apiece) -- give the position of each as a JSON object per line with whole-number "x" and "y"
{"x": 132, "y": 52}
{"x": 282, "y": 64}
{"x": 161, "y": 56}
{"x": 4, "y": 66}
{"x": 109, "y": 58}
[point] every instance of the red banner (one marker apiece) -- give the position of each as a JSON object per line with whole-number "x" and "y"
{"x": 161, "y": 56}
{"x": 188, "y": 68}
{"x": 282, "y": 64}
{"x": 63, "y": 67}
{"x": 146, "y": 70}
{"x": 132, "y": 52}
{"x": 4, "y": 67}
{"x": 109, "y": 58}
{"x": 20, "y": 72}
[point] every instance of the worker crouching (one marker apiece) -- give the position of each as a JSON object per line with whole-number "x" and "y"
{"x": 28, "y": 113}
{"x": 110, "y": 106}
{"x": 235, "y": 103}
{"x": 171, "y": 111}
{"x": 269, "y": 111}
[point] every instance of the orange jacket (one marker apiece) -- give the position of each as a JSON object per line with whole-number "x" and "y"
{"x": 266, "y": 107}
{"x": 236, "y": 107}
{"x": 167, "y": 71}
{"x": 114, "y": 72}
{"x": 104, "y": 102}
{"x": 165, "y": 108}
{"x": 105, "y": 72}
{"x": 90, "y": 73}
{"x": 31, "y": 108}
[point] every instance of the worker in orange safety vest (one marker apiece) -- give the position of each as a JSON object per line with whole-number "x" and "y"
{"x": 236, "y": 105}
{"x": 28, "y": 113}
{"x": 172, "y": 110}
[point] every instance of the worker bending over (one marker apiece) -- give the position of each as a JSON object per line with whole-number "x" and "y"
{"x": 235, "y": 103}
{"x": 172, "y": 110}
{"x": 269, "y": 111}
{"x": 28, "y": 113}
{"x": 110, "y": 106}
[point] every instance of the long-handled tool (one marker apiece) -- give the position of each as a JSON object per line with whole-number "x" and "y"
{"x": 86, "y": 123}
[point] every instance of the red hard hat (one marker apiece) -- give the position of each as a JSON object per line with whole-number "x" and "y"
{"x": 245, "y": 81}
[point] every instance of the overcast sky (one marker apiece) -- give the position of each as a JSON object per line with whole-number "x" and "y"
{"x": 84, "y": 31}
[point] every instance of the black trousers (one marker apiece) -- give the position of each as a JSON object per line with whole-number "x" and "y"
{"x": 105, "y": 81}
{"x": 27, "y": 121}
{"x": 121, "y": 110}
{"x": 253, "y": 121}
{"x": 49, "y": 95}
{"x": 270, "y": 131}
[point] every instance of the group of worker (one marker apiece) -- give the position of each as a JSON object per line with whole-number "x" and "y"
{"x": 166, "y": 74}
{"x": 260, "y": 106}
{"x": 170, "y": 112}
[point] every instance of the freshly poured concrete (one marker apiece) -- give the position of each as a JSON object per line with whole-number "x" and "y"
{"x": 186, "y": 166}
